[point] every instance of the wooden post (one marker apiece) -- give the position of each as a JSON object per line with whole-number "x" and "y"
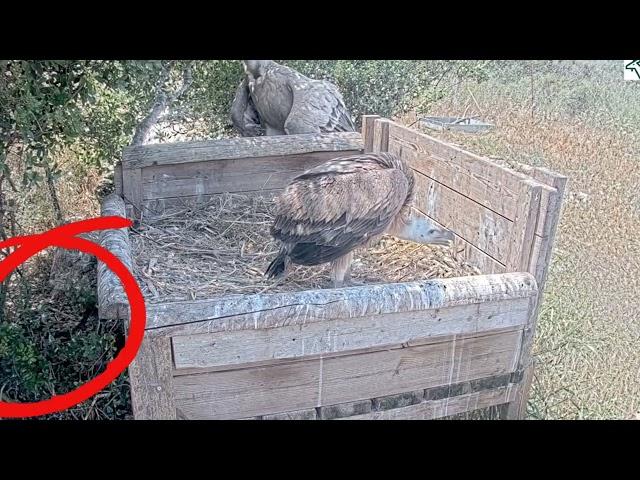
{"x": 368, "y": 122}
{"x": 117, "y": 178}
{"x": 539, "y": 267}
{"x": 151, "y": 380}
{"x": 112, "y": 301}
{"x": 380, "y": 135}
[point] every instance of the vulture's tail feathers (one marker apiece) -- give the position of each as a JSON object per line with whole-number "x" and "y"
{"x": 277, "y": 268}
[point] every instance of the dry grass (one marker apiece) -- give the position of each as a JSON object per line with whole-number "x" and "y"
{"x": 589, "y": 330}
{"x": 224, "y": 247}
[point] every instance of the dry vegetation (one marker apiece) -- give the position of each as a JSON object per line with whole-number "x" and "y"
{"x": 589, "y": 329}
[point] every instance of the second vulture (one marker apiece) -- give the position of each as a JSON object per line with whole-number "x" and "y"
{"x": 348, "y": 202}
{"x": 284, "y": 102}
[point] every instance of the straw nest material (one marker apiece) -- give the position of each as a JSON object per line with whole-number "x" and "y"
{"x": 223, "y": 247}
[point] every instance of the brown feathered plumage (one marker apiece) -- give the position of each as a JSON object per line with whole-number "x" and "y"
{"x": 334, "y": 208}
{"x": 289, "y": 103}
{"x": 244, "y": 116}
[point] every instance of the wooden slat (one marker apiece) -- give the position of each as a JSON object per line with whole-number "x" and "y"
{"x": 249, "y": 392}
{"x": 395, "y": 371}
{"x": 238, "y": 175}
{"x": 247, "y": 346}
{"x": 112, "y": 301}
{"x": 150, "y": 376}
{"x": 368, "y": 122}
{"x": 263, "y": 311}
{"x": 464, "y": 251}
{"x": 328, "y": 381}
{"x": 431, "y": 409}
{"x": 539, "y": 265}
{"x": 475, "y": 223}
{"x": 524, "y": 226}
{"x": 332, "y": 412}
{"x": 132, "y": 187}
{"x": 117, "y": 178}
{"x": 543, "y": 248}
{"x": 478, "y": 178}
{"x": 308, "y": 414}
{"x": 236, "y": 148}
{"x": 380, "y": 135}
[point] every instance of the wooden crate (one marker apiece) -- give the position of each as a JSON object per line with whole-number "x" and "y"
{"x": 413, "y": 350}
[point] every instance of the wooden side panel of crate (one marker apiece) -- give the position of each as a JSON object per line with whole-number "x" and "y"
{"x": 265, "y": 311}
{"x": 486, "y": 182}
{"x": 245, "y": 175}
{"x": 241, "y": 347}
{"x": 306, "y": 384}
{"x": 237, "y": 148}
{"x": 173, "y": 174}
{"x": 474, "y": 197}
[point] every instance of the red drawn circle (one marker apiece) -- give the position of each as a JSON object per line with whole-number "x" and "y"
{"x": 64, "y": 237}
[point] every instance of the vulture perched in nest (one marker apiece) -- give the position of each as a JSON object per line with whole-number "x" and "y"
{"x": 285, "y": 102}
{"x": 244, "y": 115}
{"x": 346, "y": 203}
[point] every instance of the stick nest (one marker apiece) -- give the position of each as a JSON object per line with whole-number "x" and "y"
{"x": 223, "y": 247}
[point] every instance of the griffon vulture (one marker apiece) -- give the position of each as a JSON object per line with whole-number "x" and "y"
{"x": 287, "y": 103}
{"x": 346, "y": 203}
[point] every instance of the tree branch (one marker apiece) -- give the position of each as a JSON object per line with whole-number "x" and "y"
{"x": 160, "y": 104}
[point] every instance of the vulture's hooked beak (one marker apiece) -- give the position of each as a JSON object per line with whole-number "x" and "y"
{"x": 421, "y": 229}
{"x": 440, "y": 236}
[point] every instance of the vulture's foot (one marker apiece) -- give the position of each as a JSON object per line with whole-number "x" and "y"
{"x": 347, "y": 283}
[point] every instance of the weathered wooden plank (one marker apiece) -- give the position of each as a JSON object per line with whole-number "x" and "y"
{"x": 241, "y": 347}
{"x": 132, "y": 187}
{"x": 390, "y": 372}
{"x": 308, "y": 414}
{"x": 524, "y": 226}
{"x": 332, "y": 412}
{"x": 112, "y": 301}
{"x": 329, "y": 381}
{"x": 398, "y": 401}
{"x": 539, "y": 265}
{"x": 368, "y": 122}
{"x": 235, "y": 148}
{"x": 151, "y": 379}
{"x": 117, "y": 178}
{"x": 543, "y": 248}
{"x": 478, "y": 225}
{"x": 260, "y": 311}
{"x": 444, "y": 407}
{"x": 249, "y": 392}
{"x": 479, "y": 178}
{"x": 237, "y": 175}
{"x": 380, "y": 135}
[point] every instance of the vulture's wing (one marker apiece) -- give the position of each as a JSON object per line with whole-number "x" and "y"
{"x": 323, "y": 216}
{"x": 318, "y": 107}
{"x": 244, "y": 115}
